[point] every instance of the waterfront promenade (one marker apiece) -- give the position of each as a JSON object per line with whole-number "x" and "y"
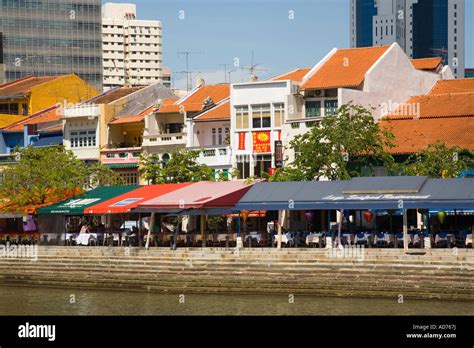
{"x": 445, "y": 274}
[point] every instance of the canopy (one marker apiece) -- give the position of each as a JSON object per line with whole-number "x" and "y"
{"x": 362, "y": 193}
{"x": 77, "y": 204}
{"x": 200, "y": 195}
{"x": 125, "y": 202}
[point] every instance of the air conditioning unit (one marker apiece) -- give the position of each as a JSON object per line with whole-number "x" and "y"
{"x": 319, "y": 93}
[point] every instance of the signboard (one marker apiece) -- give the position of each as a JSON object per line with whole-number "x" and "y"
{"x": 261, "y": 142}
{"x": 278, "y": 153}
{"x": 241, "y": 141}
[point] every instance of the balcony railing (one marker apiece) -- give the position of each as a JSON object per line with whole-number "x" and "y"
{"x": 165, "y": 139}
{"x": 82, "y": 111}
{"x": 214, "y": 156}
{"x": 121, "y": 155}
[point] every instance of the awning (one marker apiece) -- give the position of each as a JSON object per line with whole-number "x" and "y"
{"x": 122, "y": 165}
{"x": 77, "y": 204}
{"x": 125, "y": 202}
{"x": 200, "y": 195}
{"x": 392, "y": 193}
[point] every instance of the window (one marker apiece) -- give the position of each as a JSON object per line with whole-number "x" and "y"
{"x": 263, "y": 164}
{"x": 243, "y": 167}
{"x": 261, "y": 116}
{"x": 83, "y": 139}
{"x": 278, "y": 115}
{"x": 129, "y": 178}
{"x": 24, "y": 109}
{"x": 242, "y": 117}
{"x": 217, "y": 136}
{"x": 313, "y": 108}
{"x": 330, "y": 107}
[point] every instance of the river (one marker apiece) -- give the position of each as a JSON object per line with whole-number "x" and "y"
{"x": 47, "y": 301}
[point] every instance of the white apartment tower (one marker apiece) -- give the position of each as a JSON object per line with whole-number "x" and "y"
{"x": 422, "y": 28}
{"x": 132, "y": 49}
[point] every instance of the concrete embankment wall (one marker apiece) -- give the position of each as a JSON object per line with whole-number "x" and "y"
{"x": 440, "y": 273}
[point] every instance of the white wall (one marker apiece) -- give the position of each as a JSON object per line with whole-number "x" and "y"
{"x": 82, "y": 124}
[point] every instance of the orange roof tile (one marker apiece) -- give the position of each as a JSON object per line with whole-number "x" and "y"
{"x": 426, "y": 63}
{"x": 413, "y": 135}
{"x": 218, "y": 112}
{"x": 453, "y": 86}
{"x": 345, "y": 68}
{"x": 133, "y": 118}
{"x": 24, "y": 85}
{"x": 194, "y": 102}
{"x": 442, "y": 105}
{"x": 47, "y": 115}
{"x": 294, "y": 75}
{"x": 115, "y": 94}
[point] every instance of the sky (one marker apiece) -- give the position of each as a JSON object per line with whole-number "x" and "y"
{"x": 283, "y": 35}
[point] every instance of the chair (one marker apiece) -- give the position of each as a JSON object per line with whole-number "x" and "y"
{"x": 442, "y": 240}
{"x": 92, "y": 240}
{"x": 116, "y": 238}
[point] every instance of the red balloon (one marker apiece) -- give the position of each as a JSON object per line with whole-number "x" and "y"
{"x": 368, "y": 216}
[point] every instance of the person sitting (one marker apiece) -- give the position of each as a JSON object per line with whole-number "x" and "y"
{"x": 84, "y": 229}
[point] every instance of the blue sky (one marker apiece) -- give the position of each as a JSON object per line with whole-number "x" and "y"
{"x": 222, "y": 30}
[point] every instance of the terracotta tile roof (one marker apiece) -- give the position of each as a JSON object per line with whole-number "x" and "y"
{"x": 453, "y": 86}
{"x": 6, "y": 120}
{"x": 193, "y": 102}
{"x": 47, "y": 115}
{"x": 426, "y": 63}
{"x": 441, "y": 105}
{"x": 132, "y": 118}
{"x": 114, "y": 94}
{"x": 218, "y": 112}
{"x": 294, "y": 75}
{"x": 23, "y": 86}
{"x": 345, "y": 68}
{"x": 414, "y": 135}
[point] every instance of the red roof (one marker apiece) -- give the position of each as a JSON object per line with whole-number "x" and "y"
{"x": 426, "y": 63}
{"x": 127, "y": 201}
{"x": 294, "y": 75}
{"x": 201, "y": 195}
{"x": 44, "y": 116}
{"x": 132, "y": 118}
{"x": 193, "y": 102}
{"x": 218, "y": 113}
{"x": 24, "y": 85}
{"x": 345, "y": 68}
{"x": 453, "y": 86}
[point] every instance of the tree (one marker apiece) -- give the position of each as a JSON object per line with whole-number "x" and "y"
{"x": 437, "y": 161}
{"x": 339, "y": 147}
{"x": 181, "y": 167}
{"x": 45, "y": 172}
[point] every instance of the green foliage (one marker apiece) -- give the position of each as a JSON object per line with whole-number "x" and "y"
{"x": 49, "y": 171}
{"x": 339, "y": 147}
{"x": 181, "y": 167}
{"x": 437, "y": 161}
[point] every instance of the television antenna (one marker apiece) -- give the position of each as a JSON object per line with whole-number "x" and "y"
{"x": 186, "y": 54}
{"x": 253, "y": 68}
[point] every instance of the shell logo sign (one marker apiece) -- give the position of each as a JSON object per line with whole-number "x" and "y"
{"x": 261, "y": 142}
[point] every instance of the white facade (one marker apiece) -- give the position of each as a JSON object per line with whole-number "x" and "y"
{"x": 132, "y": 49}
{"x": 394, "y": 23}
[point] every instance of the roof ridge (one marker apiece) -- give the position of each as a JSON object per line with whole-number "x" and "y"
{"x": 406, "y": 117}
{"x": 363, "y": 48}
{"x": 426, "y": 58}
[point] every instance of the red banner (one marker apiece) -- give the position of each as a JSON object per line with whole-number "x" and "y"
{"x": 261, "y": 142}
{"x": 241, "y": 141}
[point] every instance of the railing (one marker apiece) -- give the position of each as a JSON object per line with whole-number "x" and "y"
{"x": 166, "y": 139}
{"x": 82, "y": 111}
{"x": 120, "y": 155}
{"x": 214, "y": 155}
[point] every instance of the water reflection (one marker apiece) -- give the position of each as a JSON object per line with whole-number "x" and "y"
{"x": 44, "y": 301}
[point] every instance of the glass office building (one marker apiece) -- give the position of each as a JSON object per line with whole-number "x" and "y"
{"x": 52, "y": 37}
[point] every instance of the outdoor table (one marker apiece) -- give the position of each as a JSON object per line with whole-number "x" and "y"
{"x": 284, "y": 239}
{"x": 222, "y": 237}
{"x": 83, "y": 238}
{"x": 50, "y": 236}
{"x": 386, "y": 238}
{"x": 253, "y": 235}
{"x": 313, "y": 238}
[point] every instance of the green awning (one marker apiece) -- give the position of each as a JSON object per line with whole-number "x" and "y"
{"x": 77, "y": 204}
{"x": 122, "y": 165}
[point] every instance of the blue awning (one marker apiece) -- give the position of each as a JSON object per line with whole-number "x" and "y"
{"x": 49, "y": 141}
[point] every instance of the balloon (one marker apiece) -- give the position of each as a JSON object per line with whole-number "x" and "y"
{"x": 441, "y": 216}
{"x": 368, "y": 216}
{"x": 309, "y": 216}
{"x": 245, "y": 214}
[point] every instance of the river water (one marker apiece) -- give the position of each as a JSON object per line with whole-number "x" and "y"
{"x": 47, "y": 301}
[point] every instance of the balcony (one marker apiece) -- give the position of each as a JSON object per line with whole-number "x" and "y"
{"x": 124, "y": 156}
{"x": 165, "y": 139}
{"x": 82, "y": 111}
{"x": 214, "y": 156}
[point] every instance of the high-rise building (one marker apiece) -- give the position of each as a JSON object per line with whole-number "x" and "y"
{"x": 132, "y": 50}
{"x": 423, "y": 28}
{"x": 52, "y": 37}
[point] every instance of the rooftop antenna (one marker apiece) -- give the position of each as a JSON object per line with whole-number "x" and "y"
{"x": 442, "y": 52}
{"x": 253, "y": 68}
{"x": 186, "y": 54}
{"x": 225, "y": 71}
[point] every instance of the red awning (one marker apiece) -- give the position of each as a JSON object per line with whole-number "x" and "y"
{"x": 127, "y": 201}
{"x": 201, "y": 195}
